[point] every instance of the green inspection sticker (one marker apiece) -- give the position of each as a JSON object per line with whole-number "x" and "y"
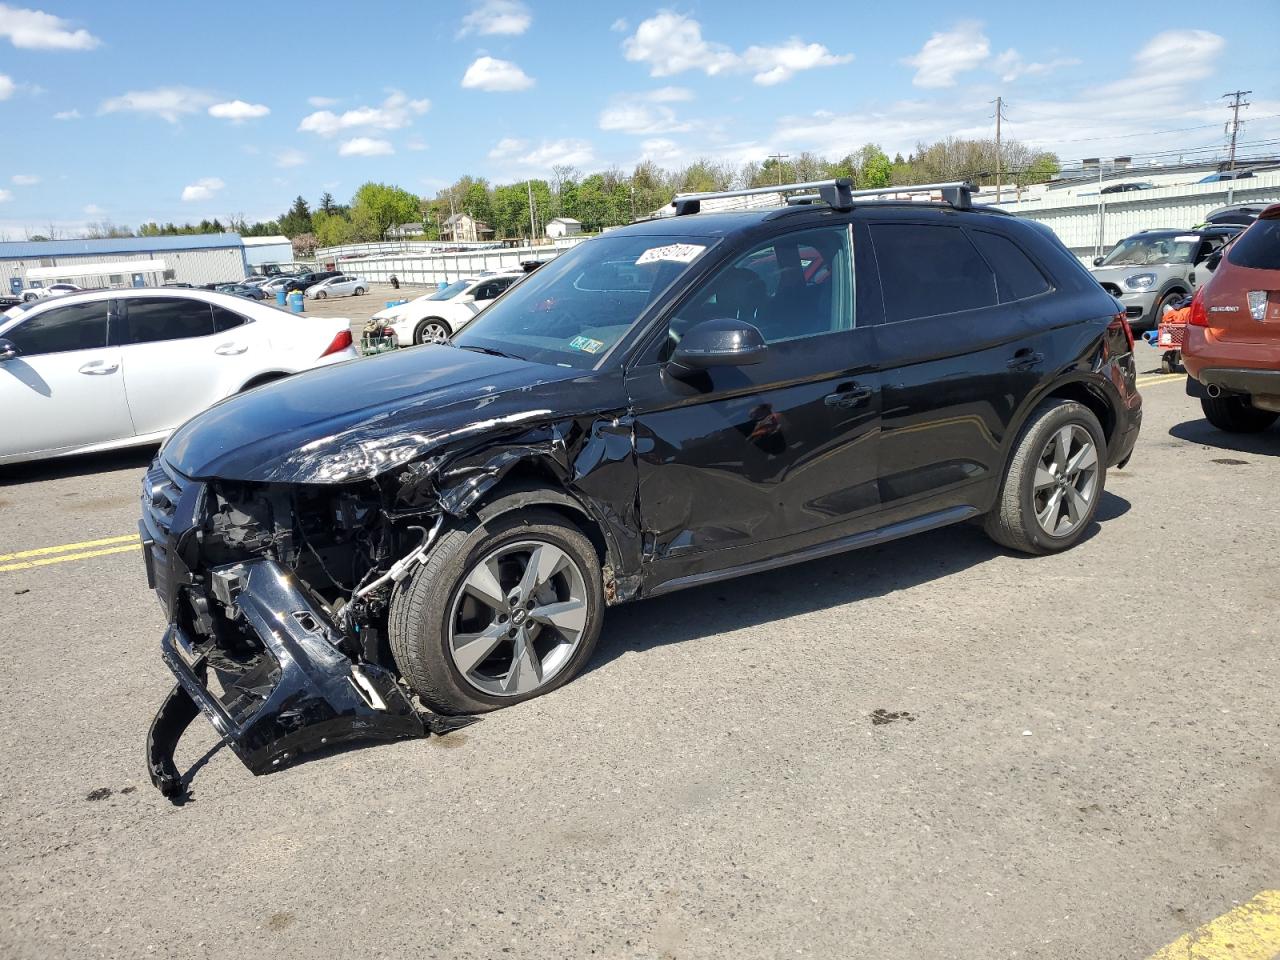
{"x": 586, "y": 344}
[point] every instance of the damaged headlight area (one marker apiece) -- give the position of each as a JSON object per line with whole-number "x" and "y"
{"x": 277, "y": 600}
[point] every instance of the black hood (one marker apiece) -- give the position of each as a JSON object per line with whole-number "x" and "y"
{"x": 363, "y": 417}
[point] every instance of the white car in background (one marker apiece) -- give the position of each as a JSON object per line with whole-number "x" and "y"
{"x": 269, "y": 287}
{"x": 117, "y": 368}
{"x": 435, "y": 317}
{"x": 53, "y": 290}
{"x": 343, "y": 285}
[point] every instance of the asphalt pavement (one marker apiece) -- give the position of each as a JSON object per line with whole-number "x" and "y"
{"x": 928, "y": 749}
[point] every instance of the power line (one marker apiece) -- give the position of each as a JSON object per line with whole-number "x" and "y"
{"x": 999, "y": 102}
{"x": 1152, "y": 133}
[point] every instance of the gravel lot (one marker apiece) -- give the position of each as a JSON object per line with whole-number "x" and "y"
{"x": 1083, "y": 764}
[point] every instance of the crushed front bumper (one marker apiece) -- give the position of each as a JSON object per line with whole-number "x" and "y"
{"x": 298, "y": 694}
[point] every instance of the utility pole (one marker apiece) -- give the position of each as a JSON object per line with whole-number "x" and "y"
{"x": 779, "y": 157}
{"x": 1237, "y": 102}
{"x": 533, "y": 226}
{"x": 999, "y": 102}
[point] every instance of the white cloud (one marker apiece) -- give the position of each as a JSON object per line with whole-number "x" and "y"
{"x": 497, "y": 17}
{"x": 7, "y": 86}
{"x": 37, "y": 30}
{"x": 669, "y": 95}
{"x": 25, "y": 179}
{"x": 645, "y": 113}
{"x": 365, "y": 147}
{"x": 672, "y": 43}
{"x": 237, "y": 111}
{"x": 290, "y": 158}
{"x": 65, "y": 114}
{"x": 662, "y": 151}
{"x": 167, "y": 103}
{"x": 620, "y": 25}
{"x": 202, "y": 189}
{"x": 322, "y": 101}
{"x": 396, "y": 111}
{"x": 512, "y": 152}
{"x": 946, "y": 55}
{"x": 5, "y": 195}
{"x": 1010, "y": 66}
{"x": 93, "y": 210}
{"x": 1194, "y": 51}
{"x": 495, "y": 76}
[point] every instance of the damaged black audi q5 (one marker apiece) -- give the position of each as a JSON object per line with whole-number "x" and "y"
{"x": 675, "y": 402}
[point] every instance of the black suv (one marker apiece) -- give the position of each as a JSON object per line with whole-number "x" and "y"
{"x": 679, "y": 401}
{"x": 305, "y": 281}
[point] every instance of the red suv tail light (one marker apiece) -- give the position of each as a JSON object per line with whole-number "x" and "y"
{"x": 1199, "y": 315}
{"x": 1121, "y": 321}
{"x": 338, "y": 343}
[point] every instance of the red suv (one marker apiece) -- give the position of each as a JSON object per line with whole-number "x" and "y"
{"x": 1232, "y": 348}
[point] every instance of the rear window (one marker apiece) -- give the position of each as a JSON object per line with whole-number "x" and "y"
{"x": 927, "y": 270}
{"x": 1258, "y": 247}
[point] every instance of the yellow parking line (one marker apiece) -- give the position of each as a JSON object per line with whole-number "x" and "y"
{"x": 1160, "y": 378}
{"x": 1249, "y": 932}
{"x": 63, "y": 558}
{"x": 64, "y": 548}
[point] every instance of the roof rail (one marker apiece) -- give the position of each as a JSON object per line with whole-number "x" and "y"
{"x": 837, "y": 194}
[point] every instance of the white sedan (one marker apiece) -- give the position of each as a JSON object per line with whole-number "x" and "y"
{"x": 53, "y": 290}
{"x": 342, "y": 285}
{"x": 117, "y": 368}
{"x": 437, "y": 316}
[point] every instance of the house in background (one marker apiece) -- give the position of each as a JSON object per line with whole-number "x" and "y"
{"x": 463, "y": 228}
{"x": 563, "y": 227}
{"x": 405, "y": 230}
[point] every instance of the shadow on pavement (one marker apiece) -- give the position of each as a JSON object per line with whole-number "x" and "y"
{"x": 60, "y": 468}
{"x": 1266, "y": 443}
{"x": 809, "y": 587}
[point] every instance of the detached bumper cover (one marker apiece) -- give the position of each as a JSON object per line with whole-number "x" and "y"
{"x": 299, "y": 694}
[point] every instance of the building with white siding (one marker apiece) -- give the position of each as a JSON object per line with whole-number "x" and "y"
{"x": 124, "y": 261}
{"x": 259, "y": 251}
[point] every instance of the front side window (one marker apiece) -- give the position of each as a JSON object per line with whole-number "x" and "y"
{"x": 79, "y": 326}
{"x": 927, "y": 270}
{"x": 797, "y": 285}
{"x": 574, "y": 309}
{"x": 153, "y": 319}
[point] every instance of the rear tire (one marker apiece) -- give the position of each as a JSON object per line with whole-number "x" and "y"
{"x": 429, "y": 614}
{"x": 1235, "y": 414}
{"x": 1053, "y": 482}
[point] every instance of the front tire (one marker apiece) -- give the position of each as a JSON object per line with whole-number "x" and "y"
{"x": 1235, "y": 414}
{"x": 431, "y": 330}
{"x": 501, "y": 612}
{"x": 1053, "y": 482}
{"x": 321, "y": 295}
{"x": 358, "y": 292}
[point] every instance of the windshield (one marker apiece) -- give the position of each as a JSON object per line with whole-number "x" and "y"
{"x": 1162, "y": 248}
{"x": 574, "y": 309}
{"x": 449, "y": 292}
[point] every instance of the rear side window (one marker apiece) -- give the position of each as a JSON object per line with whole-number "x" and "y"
{"x": 224, "y": 319}
{"x": 155, "y": 319}
{"x": 1017, "y": 278}
{"x": 80, "y": 326}
{"x": 927, "y": 270}
{"x": 1258, "y": 247}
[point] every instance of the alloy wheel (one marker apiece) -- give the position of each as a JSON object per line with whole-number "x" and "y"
{"x": 1066, "y": 480}
{"x": 433, "y": 333}
{"x": 518, "y": 618}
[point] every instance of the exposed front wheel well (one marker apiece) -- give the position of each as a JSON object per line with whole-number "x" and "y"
{"x": 525, "y": 487}
{"x": 1096, "y": 401}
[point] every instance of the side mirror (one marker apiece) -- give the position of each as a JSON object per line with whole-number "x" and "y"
{"x": 724, "y": 342}
{"x": 8, "y": 350}
{"x": 1097, "y": 261}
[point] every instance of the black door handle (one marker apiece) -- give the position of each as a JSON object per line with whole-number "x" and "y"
{"x": 1026, "y": 357}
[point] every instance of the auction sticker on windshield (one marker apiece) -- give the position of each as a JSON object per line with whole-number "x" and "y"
{"x": 586, "y": 344}
{"x": 674, "y": 252}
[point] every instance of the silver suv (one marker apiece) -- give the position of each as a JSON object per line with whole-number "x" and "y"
{"x": 1150, "y": 270}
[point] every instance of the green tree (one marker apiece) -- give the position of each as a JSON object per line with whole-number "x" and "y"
{"x": 297, "y": 220}
{"x": 326, "y": 202}
{"x": 377, "y": 206}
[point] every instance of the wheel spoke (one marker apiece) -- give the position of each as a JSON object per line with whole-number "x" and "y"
{"x": 567, "y": 616}
{"x": 1048, "y": 517}
{"x": 1076, "y": 505}
{"x": 1044, "y": 478}
{"x": 482, "y": 583}
{"x": 526, "y": 668}
{"x": 1062, "y": 449}
{"x": 471, "y": 649}
{"x": 544, "y": 561}
{"x": 1086, "y": 457}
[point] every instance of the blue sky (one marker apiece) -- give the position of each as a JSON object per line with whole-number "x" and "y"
{"x": 178, "y": 110}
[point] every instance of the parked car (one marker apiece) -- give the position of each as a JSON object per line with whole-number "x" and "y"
{"x": 249, "y": 290}
{"x": 53, "y": 290}
{"x": 1231, "y": 347}
{"x": 342, "y": 285}
{"x": 435, "y": 317}
{"x": 1128, "y": 187}
{"x": 1150, "y": 270}
{"x": 114, "y": 368}
{"x": 304, "y": 281}
{"x": 1224, "y": 175}
{"x": 677, "y": 402}
{"x": 270, "y": 287}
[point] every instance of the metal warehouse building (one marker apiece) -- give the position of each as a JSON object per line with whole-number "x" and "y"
{"x": 123, "y": 262}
